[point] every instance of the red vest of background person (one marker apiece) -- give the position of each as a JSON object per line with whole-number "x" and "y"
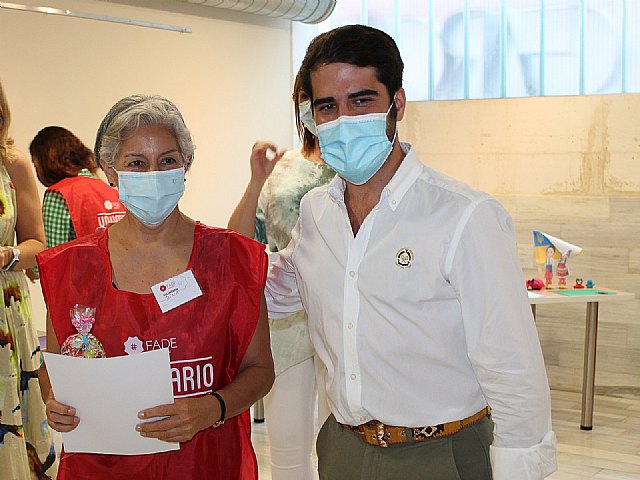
{"x": 207, "y": 338}
{"x": 92, "y": 203}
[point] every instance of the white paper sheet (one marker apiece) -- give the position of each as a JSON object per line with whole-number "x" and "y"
{"x": 534, "y": 295}
{"x": 107, "y": 394}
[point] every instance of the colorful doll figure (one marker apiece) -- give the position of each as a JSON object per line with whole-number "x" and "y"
{"x": 562, "y": 271}
{"x": 548, "y": 267}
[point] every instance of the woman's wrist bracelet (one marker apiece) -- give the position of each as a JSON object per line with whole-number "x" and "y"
{"x": 223, "y": 410}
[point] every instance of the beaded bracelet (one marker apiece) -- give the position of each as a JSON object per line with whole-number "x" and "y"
{"x": 223, "y": 409}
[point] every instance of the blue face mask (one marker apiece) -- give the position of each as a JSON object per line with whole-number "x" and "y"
{"x": 151, "y": 196}
{"x": 355, "y": 147}
{"x": 306, "y": 117}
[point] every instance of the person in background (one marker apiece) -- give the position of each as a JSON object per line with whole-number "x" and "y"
{"x": 145, "y": 149}
{"x": 76, "y": 201}
{"x": 433, "y": 367}
{"x": 26, "y": 444}
{"x": 268, "y": 212}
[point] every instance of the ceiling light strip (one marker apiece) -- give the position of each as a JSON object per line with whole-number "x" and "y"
{"x": 91, "y": 16}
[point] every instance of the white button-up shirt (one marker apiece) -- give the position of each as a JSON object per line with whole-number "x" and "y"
{"x": 421, "y": 318}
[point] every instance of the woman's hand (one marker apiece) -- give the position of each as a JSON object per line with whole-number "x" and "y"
{"x": 32, "y": 275}
{"x": 61, "y": 418}
{"x": 264, "y": 156}
{"x": 184, "y": 418}
{"x": 6, "y": 255}
{"x": 29, "y": 227}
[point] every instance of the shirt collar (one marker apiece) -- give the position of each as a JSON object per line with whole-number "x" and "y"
{"x": 405, "y": 176}
{"x": 337, "y": 187}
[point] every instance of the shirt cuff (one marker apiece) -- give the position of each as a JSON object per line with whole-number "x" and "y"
{"x": 532, "y": 463}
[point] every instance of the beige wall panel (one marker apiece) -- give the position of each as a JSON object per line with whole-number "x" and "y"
{"x": 626, "y": 209}
{"x": 634, "y": 260}
{"x": 622, "y": 172}
{"x": 558, "y": 209}
{"x": 623, "y": 132}
{"x": 601, "y": 234}
{"x": 513, "y": 174}
{"x": 499, "y": 125}
{"x": 565, "y": 329}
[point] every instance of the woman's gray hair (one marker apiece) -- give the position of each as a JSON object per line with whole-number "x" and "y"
{"x": 133, "y": 112}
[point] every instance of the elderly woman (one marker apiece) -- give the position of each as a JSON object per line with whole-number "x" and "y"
{"x": 145, "y": 149}
{"x": 76, "y": 202}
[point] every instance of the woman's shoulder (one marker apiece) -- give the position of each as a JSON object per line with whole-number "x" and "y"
{"x": 91, "y": 242}
{"x": 16, "y": 162}
{"x": 224, "y": 236}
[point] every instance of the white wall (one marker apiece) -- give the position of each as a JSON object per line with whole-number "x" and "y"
{"x": 230, "y": 78}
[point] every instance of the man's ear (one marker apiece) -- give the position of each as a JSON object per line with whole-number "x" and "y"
{"x": 401, "y": 102}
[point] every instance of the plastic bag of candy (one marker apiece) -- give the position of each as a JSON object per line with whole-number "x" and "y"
{"x": 83, "y": 343}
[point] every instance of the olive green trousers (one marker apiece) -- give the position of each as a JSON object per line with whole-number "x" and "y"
{"x": 343, "y": 455}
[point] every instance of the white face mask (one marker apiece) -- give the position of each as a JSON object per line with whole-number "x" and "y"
{"x": 306, "y": 116}
{"x": 356, "y": 146}
{"x": 151, "y": 196}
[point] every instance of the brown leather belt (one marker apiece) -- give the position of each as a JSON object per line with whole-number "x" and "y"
{"x": 379, "y": 434}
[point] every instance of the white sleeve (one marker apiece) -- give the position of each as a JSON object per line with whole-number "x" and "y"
{"x": 281, "y": 291}
{"x": 502, "y": 342}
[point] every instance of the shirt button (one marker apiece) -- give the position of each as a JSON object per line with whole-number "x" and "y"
{"x": 350, "y": 326}
{"x": 353, "y": 376}
{"x": 393, "y": 202}
{"x": 352, "y": 274}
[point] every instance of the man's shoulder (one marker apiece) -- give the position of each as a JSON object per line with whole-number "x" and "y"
{"x": 452, "y": 187}
{"x": 319, "y": 197}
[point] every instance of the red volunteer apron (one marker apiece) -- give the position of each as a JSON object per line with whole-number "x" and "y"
{"x": 91, "y": 202}
{"x": 208, "y": 337}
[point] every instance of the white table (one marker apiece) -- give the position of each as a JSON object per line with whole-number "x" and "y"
{"x": 592, "y": 298}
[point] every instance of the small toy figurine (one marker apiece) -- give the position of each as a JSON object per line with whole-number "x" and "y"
{"x": 562, "y": 271}
{"x": 578, "y": 283}
{"x": 548, "y": 267}
{"x": 549, "y": 249}
{"x": 590, "y": 283}
{"x": 535, "y": 284}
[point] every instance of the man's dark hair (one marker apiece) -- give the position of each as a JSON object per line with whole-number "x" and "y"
{"x": 357, "y": 45}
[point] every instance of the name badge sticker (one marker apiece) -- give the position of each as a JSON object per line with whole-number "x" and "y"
{"x": 176, "y": 291}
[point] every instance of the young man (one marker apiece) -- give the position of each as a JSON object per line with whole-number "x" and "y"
{"x": 415, "y": 296}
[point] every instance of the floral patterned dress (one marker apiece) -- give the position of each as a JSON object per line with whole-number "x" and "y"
{"x": 26, "y": 444}
{"x": 276, "y": 215}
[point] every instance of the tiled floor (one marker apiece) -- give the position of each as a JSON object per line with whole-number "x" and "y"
{"x": 611, "y": 451}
